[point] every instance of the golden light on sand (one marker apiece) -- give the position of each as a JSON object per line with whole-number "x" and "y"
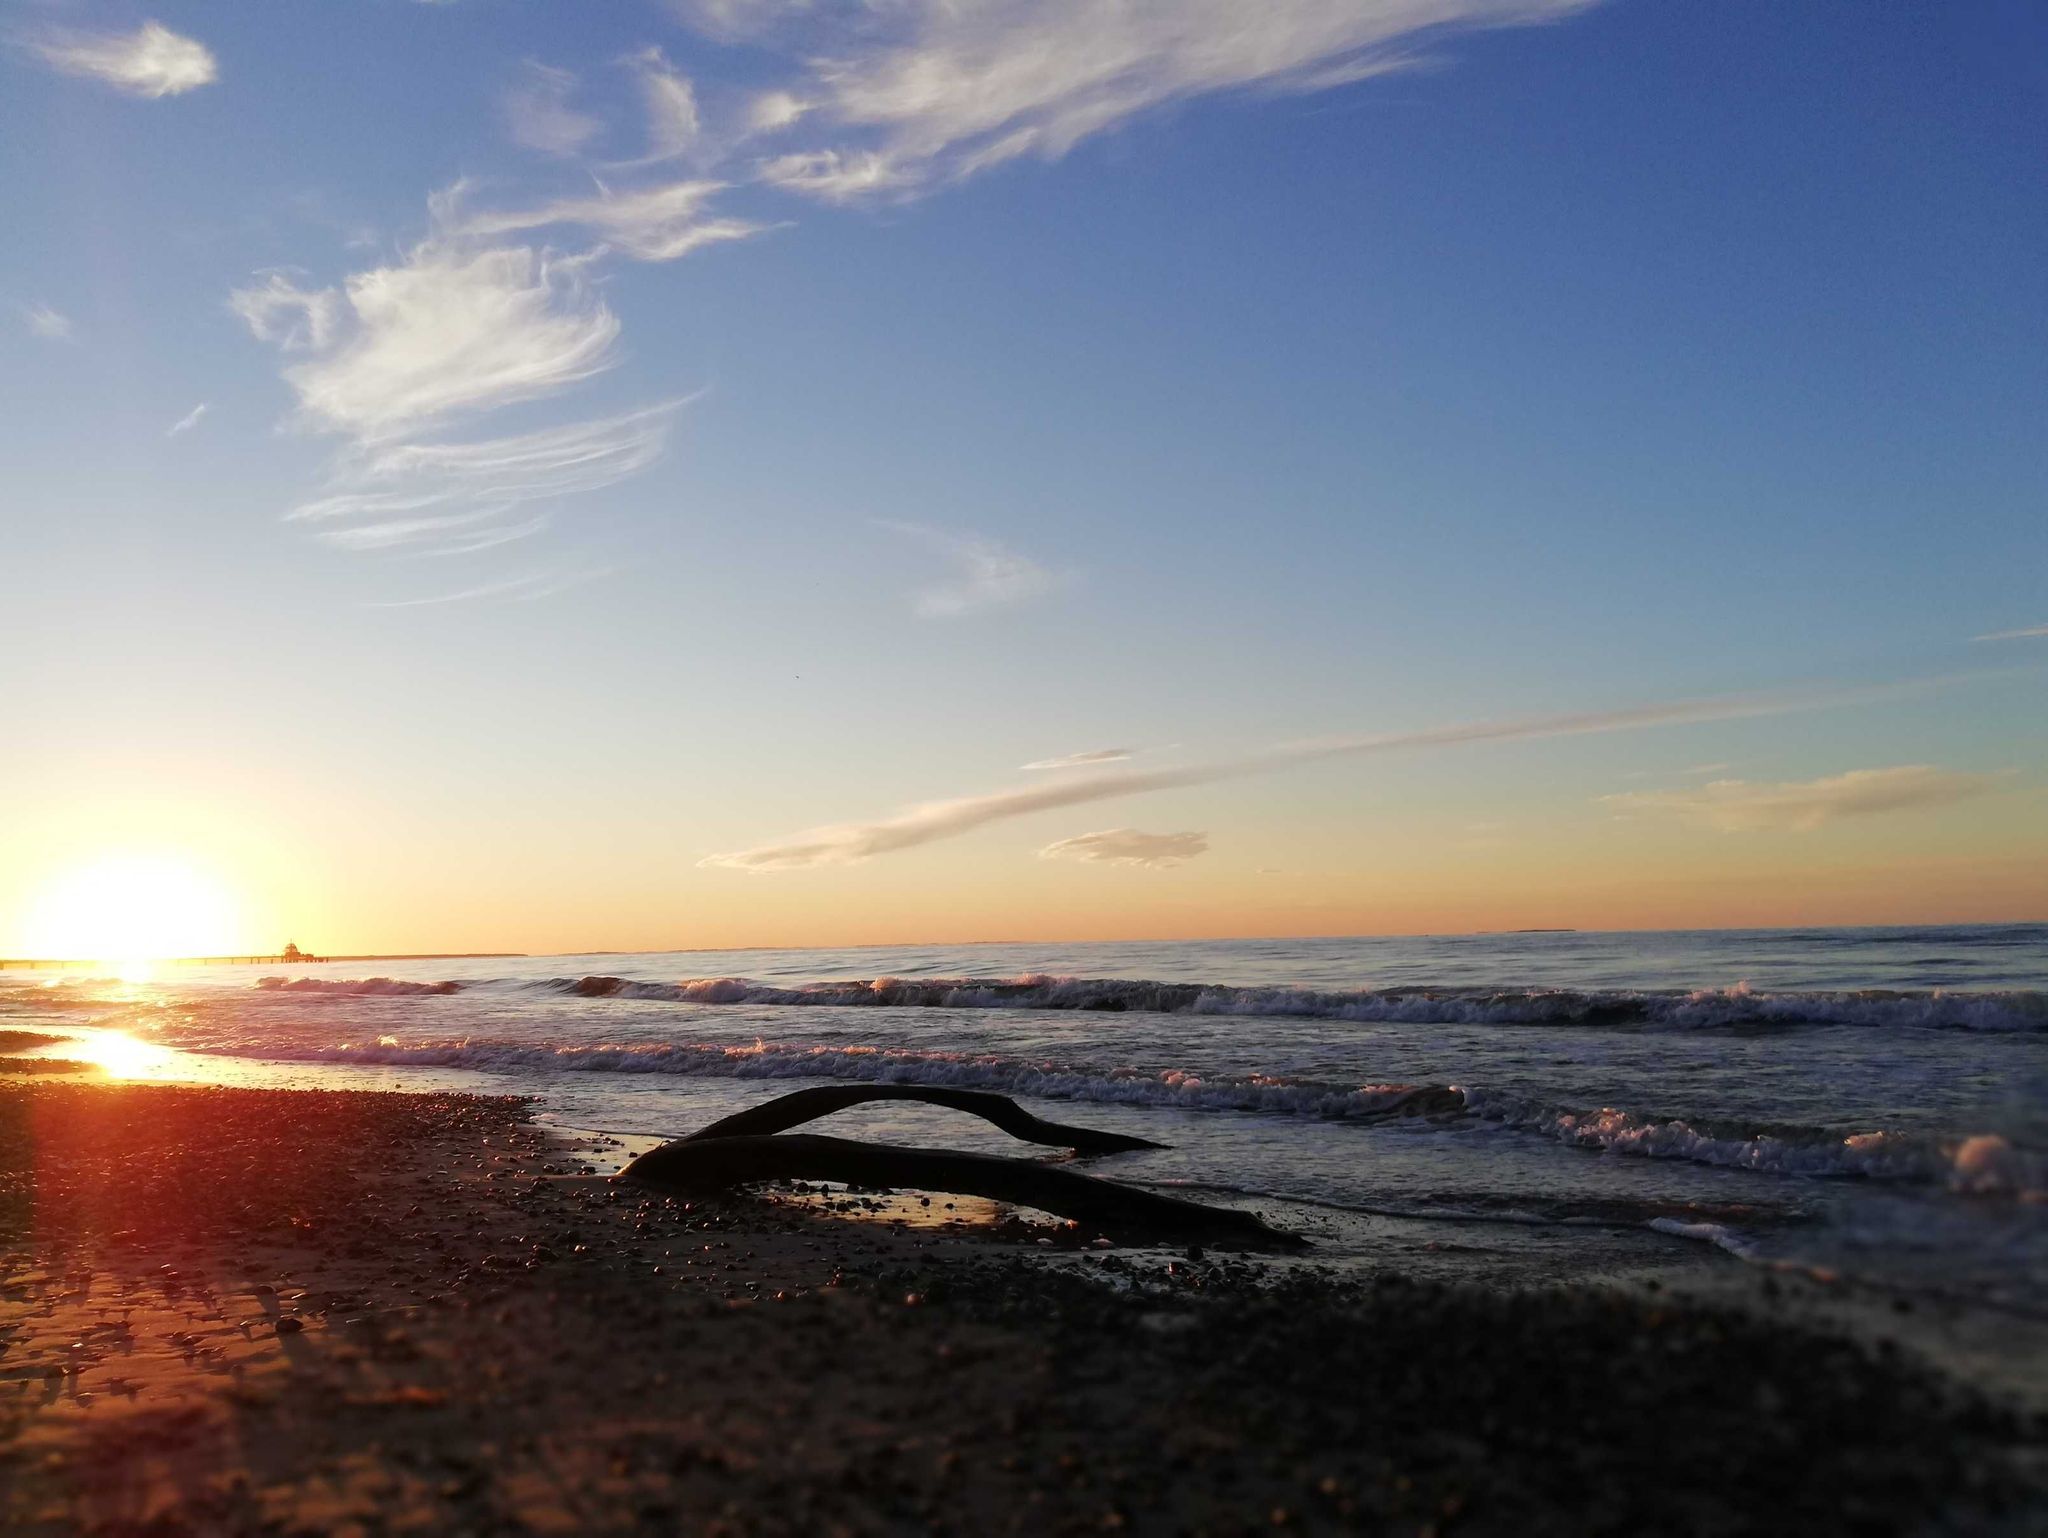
{"x": 129, "y": 910}
{"x": 121, "y": 1055}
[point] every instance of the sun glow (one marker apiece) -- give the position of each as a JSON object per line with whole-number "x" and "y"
{"x": 129, "y": 910}
{"x": 122, "y": 1055}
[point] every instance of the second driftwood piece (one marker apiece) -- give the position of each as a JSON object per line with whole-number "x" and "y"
{"x": 786, "y": 1111}
{"x": 707, "y": 1165}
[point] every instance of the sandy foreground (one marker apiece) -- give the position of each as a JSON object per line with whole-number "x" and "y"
{"x": 230, "y": 1311}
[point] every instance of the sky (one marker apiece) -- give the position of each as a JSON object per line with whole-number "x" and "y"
{"x": 518, "y": 476}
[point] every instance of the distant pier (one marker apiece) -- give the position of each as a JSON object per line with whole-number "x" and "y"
{"x": 27, "y": 964}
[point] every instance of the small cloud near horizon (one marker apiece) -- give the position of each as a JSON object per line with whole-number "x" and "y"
{"x": 526, "y": 589}
{"x": 2027, "y": 633}
{"x": 1800, "y": 806}
{"x": 985, "y": 575}
{"x": 1128, "y": 846}
{"x": 188, "y": 421}
{"x": 1082, "y": 760}
{"x": 51, "y": 325}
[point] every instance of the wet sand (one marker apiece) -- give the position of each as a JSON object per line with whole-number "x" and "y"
{"x": 310, "y": 1312}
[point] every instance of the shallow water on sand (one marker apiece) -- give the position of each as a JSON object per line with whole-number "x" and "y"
{"x": 1873, "y": 1102}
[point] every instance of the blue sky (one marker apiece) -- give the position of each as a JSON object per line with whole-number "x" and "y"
{"x": 1337, "y": 368}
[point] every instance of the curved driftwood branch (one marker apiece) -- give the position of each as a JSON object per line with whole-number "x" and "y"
{"x": 714, "y": 1164}
{"x": 808, "y": 1104}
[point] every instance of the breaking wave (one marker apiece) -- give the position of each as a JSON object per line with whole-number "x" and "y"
{"x": 1707, "y": 1009}
{"x": 354, "y": 986}
{"x": 1985, "y": 1164}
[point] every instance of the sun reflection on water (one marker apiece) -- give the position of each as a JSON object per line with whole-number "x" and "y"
{"x": 125, "y": 1056}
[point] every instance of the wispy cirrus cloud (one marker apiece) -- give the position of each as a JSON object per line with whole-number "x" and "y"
{"x": 463, "y": 324}
{"x": 2027, "y": 634}
{"x": 291, "y": 318}
{"x": 985, "y": 575}
{"x": 1800, "y": 806}
{"x": 670, "y": 101}
{"x": 450, "y": 331}
{"x": 651, "y": 224}
{"x": 522, "y": 589}
{"x": 538, "y": 115}
{"x": 1082, "y": 760}
{"x": 151, "y": 61}
{"x": 875, "y": 99}
{"x": 188, "y": 421}
{"x": 461, "y": 497}
{"x": 1127, "y": 846}
{"x": 51, "y": 325}
{"x": 919, "y": 92}
{"x": 934, "y": 821}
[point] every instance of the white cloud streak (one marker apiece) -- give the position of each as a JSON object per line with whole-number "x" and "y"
{"x": 924, "y": 91}
{"x": 188, "y": 421}
{"x": 936, "y": 820}
{"x": 2029, "y": 633}
{"x": 1800, "y": 806}
{"x": 538, "y": 115}
{"x": 456, "y": 498}
{"x": 985, "y": 575}
{"x": 51, "y": 325}
{"x": 1127, "y": 846}
{"x": 653, "y": 224}
{"x": 1082, "y": 760}
{"x": 151, "y": 61}
{"x": 526, "y": 589}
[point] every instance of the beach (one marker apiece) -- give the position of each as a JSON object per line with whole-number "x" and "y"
{"x": 241, "y": 1310}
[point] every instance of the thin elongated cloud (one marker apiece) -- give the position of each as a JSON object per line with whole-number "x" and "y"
{"x": 1127, "y": 846}
{"x": 188, "y": 421}
{"x": 538, "y": 114}
{"x": 936, "y": 820}
{"x": 1082, "y": 760}
{"x": 984, "y": 575}
{"x": 151, "y": 61}
{"x": 2029, "y": 633}
{"x": 522, "y": 589}
{"x": 923, "y": 91}
{"x": 652, "y": 224}
{"x": 1800, "y": 806}
{"x": 51, "y": 325}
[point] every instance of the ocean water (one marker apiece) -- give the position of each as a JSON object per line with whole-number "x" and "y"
{"x": 1866, "y": 1102}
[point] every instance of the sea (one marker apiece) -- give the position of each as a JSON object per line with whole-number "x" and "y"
{"x": 1861, "y": 1104}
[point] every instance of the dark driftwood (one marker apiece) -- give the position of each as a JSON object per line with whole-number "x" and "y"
{"x": 708, "y": 1165}
{"x": 808, "y": 1104}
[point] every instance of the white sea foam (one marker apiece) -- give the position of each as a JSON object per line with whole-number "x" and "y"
{"x": 1717, "y": 1234}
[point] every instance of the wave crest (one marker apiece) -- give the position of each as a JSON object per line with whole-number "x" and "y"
{"x": 1733, "y": 1008}
{"x": 354, "y": 986}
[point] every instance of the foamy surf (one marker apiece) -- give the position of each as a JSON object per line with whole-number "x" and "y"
{"x": 1736, "y": 1007}
{"x": 1983, "y": 1164}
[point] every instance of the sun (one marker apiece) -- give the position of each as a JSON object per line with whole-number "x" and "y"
{"x": 130, "y": 909}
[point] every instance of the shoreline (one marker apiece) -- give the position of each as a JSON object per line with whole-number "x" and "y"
{"x": 244, "y": 1310}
